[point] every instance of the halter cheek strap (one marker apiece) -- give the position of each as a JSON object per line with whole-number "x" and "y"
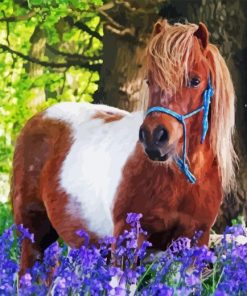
{"x": 181, "y": 162}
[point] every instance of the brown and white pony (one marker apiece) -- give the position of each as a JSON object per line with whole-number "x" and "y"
{"x": 82, "y": 166}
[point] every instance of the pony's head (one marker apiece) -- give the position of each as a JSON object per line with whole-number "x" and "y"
{"x": 181, "y": 66}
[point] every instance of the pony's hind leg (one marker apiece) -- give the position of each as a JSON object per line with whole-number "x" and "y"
{"x": 33, "y": 148}
{"x": 35, "y": 219}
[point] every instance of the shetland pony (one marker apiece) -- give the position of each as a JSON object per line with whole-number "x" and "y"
{"x": 83, "y": 166}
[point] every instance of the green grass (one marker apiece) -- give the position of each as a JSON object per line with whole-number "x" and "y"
{"x": 6, "y": 216}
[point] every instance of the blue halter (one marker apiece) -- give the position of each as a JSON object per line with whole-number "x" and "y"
{"x": 181, "y": 162}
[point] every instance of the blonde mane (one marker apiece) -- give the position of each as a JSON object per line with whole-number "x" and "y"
{"x": 168, "y": 55}
{"x": 223, "y": 118}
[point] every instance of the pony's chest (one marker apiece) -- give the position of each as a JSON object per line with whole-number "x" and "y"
{"x": 145, "y": 188}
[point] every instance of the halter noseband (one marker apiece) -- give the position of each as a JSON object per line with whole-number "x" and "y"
{"x": 181, "y": 162}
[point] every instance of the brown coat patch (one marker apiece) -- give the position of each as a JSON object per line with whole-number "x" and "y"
{"x": 108, "y": 116}
{"x": 38, "y": 201}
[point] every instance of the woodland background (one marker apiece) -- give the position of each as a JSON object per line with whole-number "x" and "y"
{"x": 71, "y": 50}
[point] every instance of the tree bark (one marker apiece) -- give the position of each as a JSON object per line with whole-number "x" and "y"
{"x": 127, "y": 29}
{"x": 38, "y": 41}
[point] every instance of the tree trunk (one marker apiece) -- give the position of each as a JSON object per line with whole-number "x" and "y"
{"x": 38, "y": 41}
{"x": 127, "y": 28}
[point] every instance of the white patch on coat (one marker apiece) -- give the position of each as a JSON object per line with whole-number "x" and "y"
{"x": 92, "y": 169}
{"x": 77, "y": 113}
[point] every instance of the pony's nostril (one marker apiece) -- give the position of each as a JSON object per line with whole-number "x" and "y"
{"x": 160, "y": 135}
{"x": 153, "y": 154}
{"x": 142, "y": 135}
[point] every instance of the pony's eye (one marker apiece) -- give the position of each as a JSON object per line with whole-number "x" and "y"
{"x": 147, "y": 81}
{"x": 194, "y": 82}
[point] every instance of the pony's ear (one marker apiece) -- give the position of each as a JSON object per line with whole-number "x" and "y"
{"x": 159, "y": 26}
{"x": 202, "y": 34}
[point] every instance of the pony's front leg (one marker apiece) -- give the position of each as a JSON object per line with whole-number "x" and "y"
{"x": 204, "y": 239}
{"x": 34, "y": 217}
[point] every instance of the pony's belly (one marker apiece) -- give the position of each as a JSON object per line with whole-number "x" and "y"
{"x": 90, "y": 193}
{"x": 91, "y": 182}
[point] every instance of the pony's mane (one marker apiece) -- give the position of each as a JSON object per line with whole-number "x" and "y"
{"x": 168, "y": 55}
{"x": 223, "y": 118}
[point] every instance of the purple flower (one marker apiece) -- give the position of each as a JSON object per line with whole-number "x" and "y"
{"x": 51, "y": 255}
{"x": 83, "y": 234}
{"x": 220, "y": 293}
{"x": 180, "y": 244}
{"x": 133, "y": 219}
{"x": 192, "y": 280}
{"x": 60, "y": 287}
{"x": 235, "y": 230}
{"x": 26, "y": 280}
{"x": 88, "y": 270}
{"x": 198, "y": 234}
{"x": 25, "y": 233}
{"x": 142, "y": 252}
{"x": 159, "y": 290}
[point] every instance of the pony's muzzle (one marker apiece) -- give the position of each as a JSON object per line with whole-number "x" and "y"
{"x": 155, "y": 142}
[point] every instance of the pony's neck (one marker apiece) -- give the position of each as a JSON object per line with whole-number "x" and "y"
{"x": 200, "y": 155}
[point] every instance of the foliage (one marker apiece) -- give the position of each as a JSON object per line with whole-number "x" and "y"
{"x": 180, "y": 270}
{"x": 6, "y": 216}
{"x": 57, "y": 32}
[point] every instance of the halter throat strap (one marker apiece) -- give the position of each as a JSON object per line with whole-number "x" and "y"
{"x": 181, "y": 161}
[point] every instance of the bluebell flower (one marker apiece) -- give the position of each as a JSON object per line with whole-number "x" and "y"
{"x": 25, "y": 233}
{"x": 88, "y": 270}
{"x": 83, "y": 234}
{"x": 133, "y": 218}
